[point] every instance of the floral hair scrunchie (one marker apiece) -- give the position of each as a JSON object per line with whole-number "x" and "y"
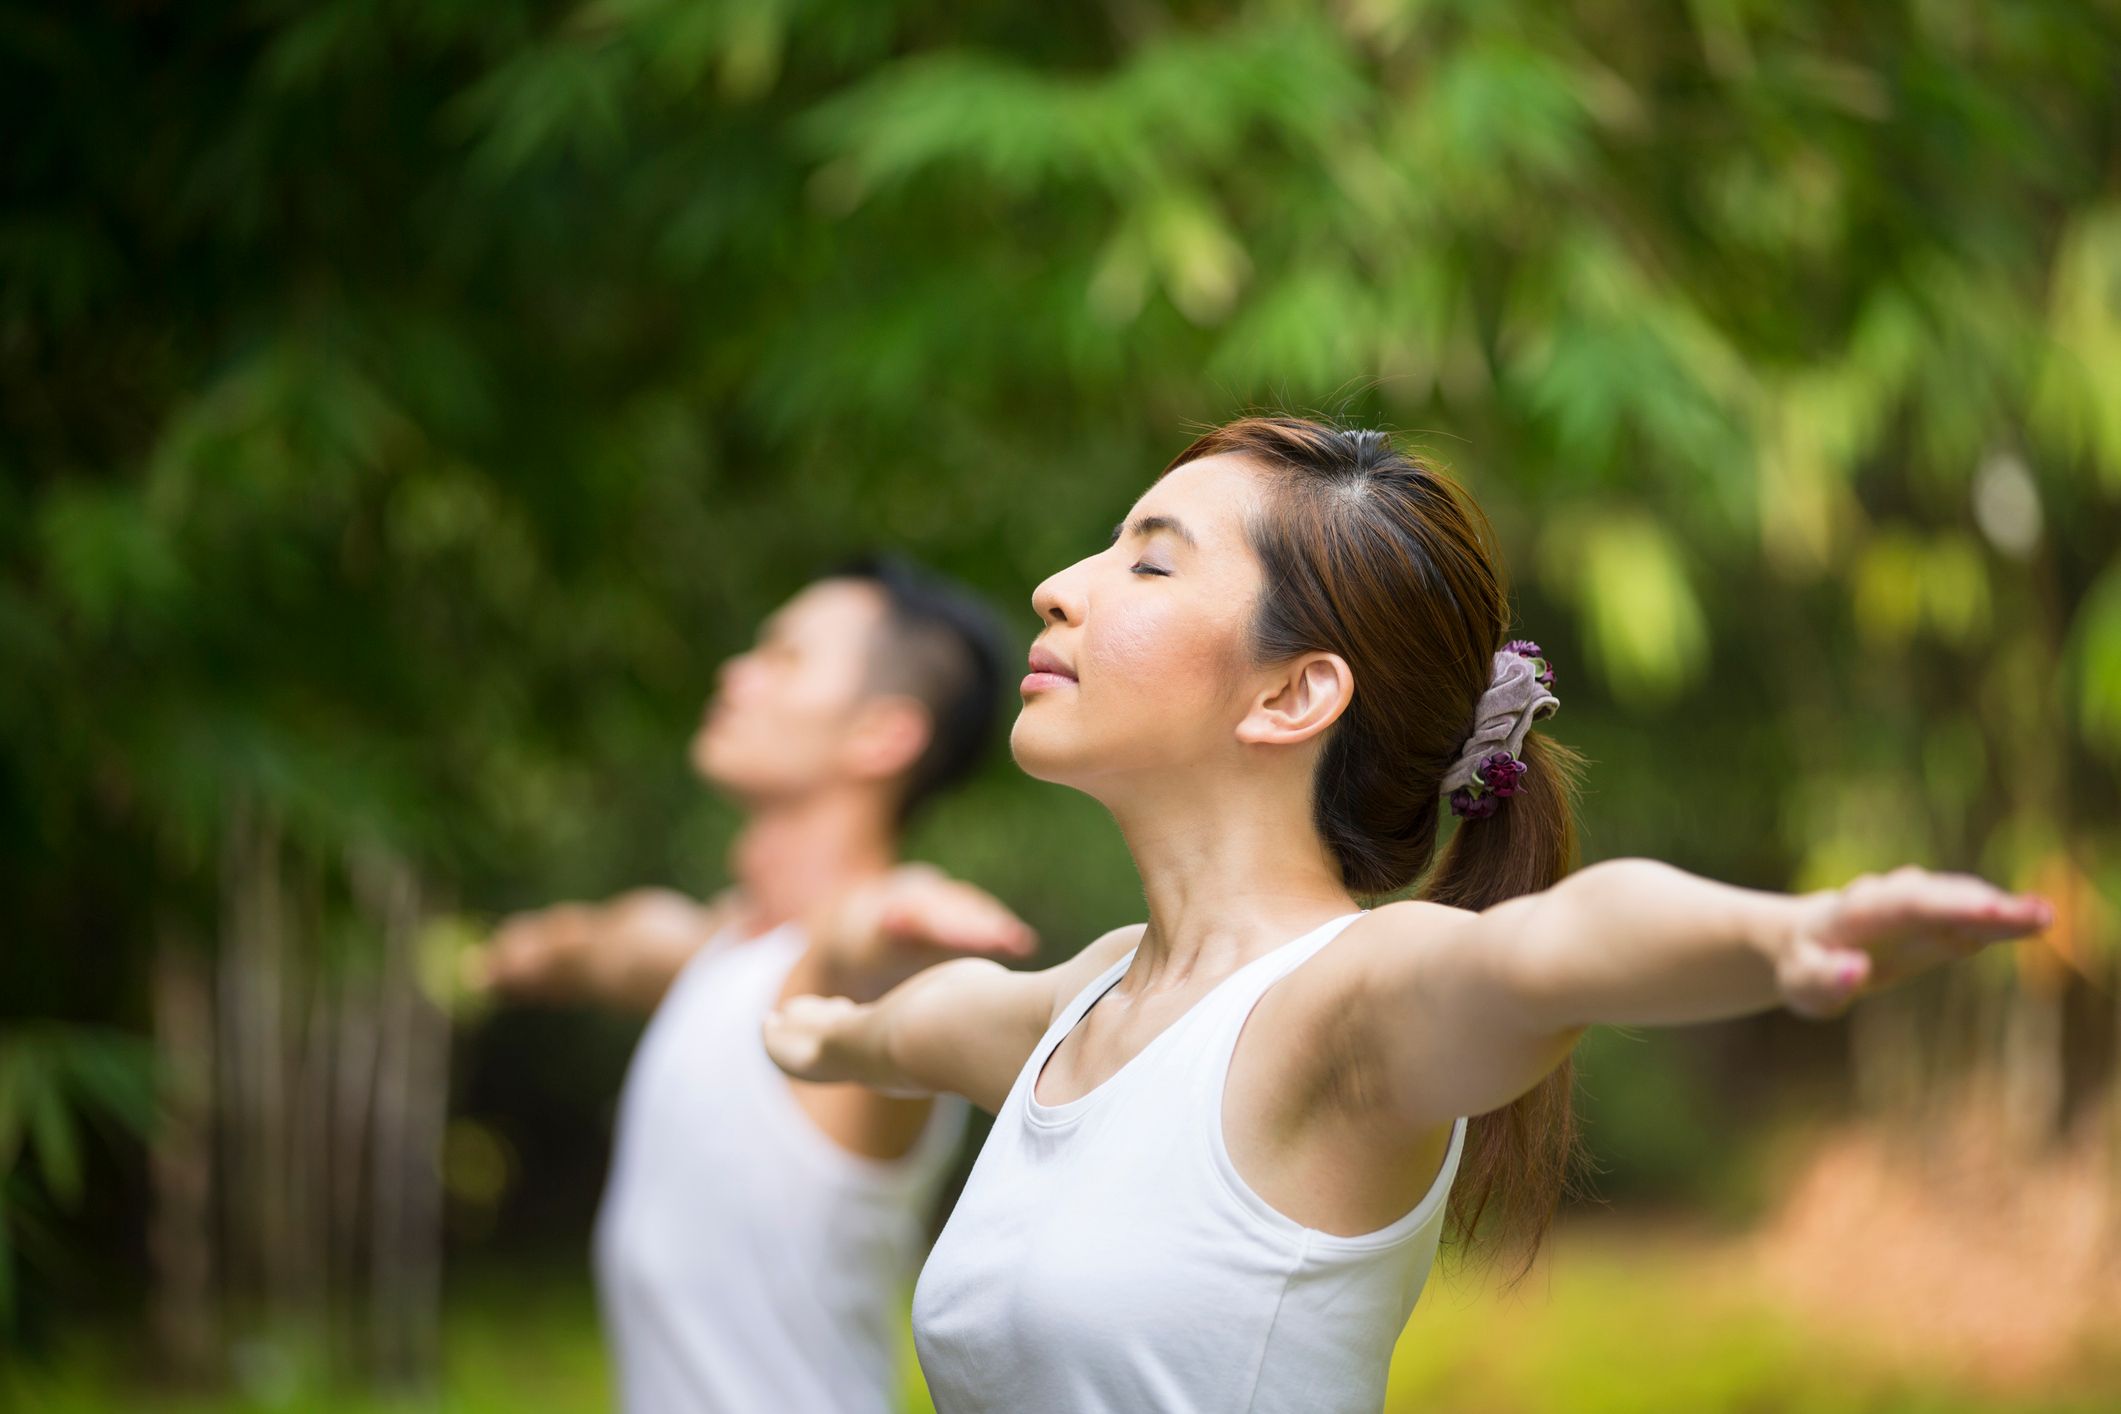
{"x": 1519, "y": 694}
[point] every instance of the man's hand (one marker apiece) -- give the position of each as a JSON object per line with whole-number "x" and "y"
{"x": 532, "y": 954}
{"x": 884, "y": 930}
{"x": 624, "y": 953}
{"x": 1881, "y": 929}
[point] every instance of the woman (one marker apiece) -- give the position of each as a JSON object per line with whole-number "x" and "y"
{"x": 1224, "y": 1138}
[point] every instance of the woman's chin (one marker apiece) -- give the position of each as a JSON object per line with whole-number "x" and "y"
{"x": 1037, "y": 753}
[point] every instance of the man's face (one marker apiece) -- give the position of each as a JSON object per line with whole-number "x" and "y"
{"x": 784, "y": 713}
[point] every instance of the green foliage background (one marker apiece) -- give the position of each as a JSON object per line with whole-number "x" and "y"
{"x": 404, "y": 406}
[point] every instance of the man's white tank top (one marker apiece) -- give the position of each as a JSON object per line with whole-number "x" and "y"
{"x": 1106, "y": 1255}
{"x": 745, "y": 1261}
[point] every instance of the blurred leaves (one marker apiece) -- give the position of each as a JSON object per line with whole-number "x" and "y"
{"x": 1905, "y": 583}
{"x": 406, "y": 406}
{"x": 2096, "y": 660}
{"x": 1642, "y": 620}
{"x": 2077, "y": 397}
{"x": 428, "y": 375}
{"x": 107, "y": 554}
{"x": 55, "y": 1081}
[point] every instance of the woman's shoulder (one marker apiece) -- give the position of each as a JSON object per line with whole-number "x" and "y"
{"x": 1376, "y": 953}
{"x": 1066, "y": 980}
{"x": 969, "y": 1024}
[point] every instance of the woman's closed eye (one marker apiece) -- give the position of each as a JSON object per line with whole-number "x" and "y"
{"x": 1146, "y": 568}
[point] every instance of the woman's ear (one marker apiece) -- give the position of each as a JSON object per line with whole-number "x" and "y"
{"x": 1307, "y": 697}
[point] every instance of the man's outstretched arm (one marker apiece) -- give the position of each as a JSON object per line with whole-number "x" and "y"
{"x": 621, "y": 954}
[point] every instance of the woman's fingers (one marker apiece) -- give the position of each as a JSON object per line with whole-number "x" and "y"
{"x": 791, "y": 1048}
{"x": 1819, "y": 981}
{"x": 1883, "y": 928}
{"x": 1980, "y": 912}
{"x": 1910, "y": 903}
{"x": 797, "y": 1031}
{"x": 2009, "y": 916}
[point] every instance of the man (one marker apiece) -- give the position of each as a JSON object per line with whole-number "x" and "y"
{"x": 755, "y": 1232}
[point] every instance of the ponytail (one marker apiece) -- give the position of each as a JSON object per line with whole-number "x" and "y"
{"x": 1520, "y": 1160}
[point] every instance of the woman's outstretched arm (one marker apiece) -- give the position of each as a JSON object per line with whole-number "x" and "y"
{"x": 1458, "y": 1013}
{"x": 963, "y": 1027}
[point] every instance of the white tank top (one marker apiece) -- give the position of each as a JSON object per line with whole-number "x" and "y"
{"x": 1106, "y": 1256}
{"x": 744, "y": 1260}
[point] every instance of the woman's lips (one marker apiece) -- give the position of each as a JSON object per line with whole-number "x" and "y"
{"x": 1047, "y": 671}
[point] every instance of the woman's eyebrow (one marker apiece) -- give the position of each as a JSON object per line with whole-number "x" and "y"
{"x": 1149, "y": 525}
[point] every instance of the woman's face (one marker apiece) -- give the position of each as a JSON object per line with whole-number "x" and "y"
{"x": 1151, "y": 636}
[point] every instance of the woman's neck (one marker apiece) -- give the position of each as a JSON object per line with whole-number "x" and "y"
{"x": 1230, "y": 870}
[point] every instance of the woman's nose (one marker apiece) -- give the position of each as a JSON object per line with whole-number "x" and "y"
{"x": 1057, "y": 600}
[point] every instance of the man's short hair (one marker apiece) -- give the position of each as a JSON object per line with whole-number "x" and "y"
{"x": 941, "y": 644}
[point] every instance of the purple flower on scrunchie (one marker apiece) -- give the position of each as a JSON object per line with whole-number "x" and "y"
{"x": 1500, "y": 773}
{"x": 1497, "y": 775}
{"x": 1471, "y": 806}
{"x": 1526, "y": 648}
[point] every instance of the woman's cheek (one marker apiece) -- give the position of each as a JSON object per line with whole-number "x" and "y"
{"x": 1162, "y": 653}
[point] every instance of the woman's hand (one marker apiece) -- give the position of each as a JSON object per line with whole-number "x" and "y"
{"x": 1881, "y": 929}
{"x": 799, "y": 1035}
{"x": 830, "y": 1039}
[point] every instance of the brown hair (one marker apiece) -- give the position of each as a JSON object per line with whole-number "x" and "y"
{"x": 1374, "y": 555}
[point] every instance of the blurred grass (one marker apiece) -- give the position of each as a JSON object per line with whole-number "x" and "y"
{"x": 1648, "y": 1319}
{"x": 513, "y": 1339}
{"x": 1644, "y": 1318}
